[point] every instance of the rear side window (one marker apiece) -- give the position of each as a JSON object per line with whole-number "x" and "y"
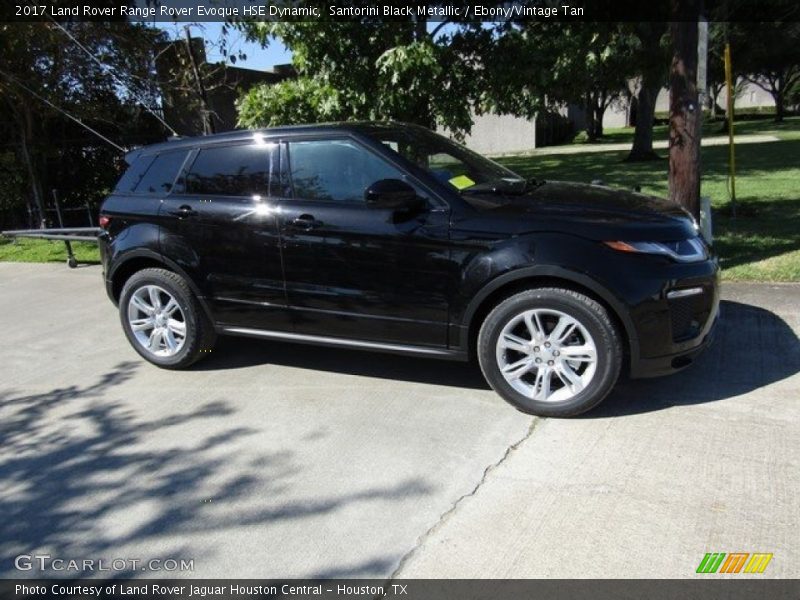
{"x": 159, "y": 178}
{"x": 131, "y": 178}
{"x": 242, "y": 170}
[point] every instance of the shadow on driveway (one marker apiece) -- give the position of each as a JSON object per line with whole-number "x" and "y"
{"x": 83, "y": 474}
{"x": 753, "y": 348}
{"x": 236, "y": 352}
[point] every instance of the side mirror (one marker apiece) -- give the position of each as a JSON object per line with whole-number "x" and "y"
{"x": 392, "y": 194}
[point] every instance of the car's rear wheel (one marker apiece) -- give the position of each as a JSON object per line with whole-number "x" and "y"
{"x": 550, "y": 352}
{"x": 163, "y": 320}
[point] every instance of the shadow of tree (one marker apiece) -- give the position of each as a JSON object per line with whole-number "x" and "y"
{"x": 73, "y": 459}
{"x": 753, "y": 348}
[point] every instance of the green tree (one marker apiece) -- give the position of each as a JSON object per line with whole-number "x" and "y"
{"x": 367, "y": 68}
{"x": 40, "y": 64}
{"x": 769, "y": 55}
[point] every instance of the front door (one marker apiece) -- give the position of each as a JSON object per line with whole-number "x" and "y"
{"x": 353, "y": 271}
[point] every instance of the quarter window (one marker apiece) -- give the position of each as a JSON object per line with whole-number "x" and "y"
{"x": 335, "y": 170}
{"x": 232, "y": 170}
{"x": 158, "y": 179}
{"x": 134, "y": 174}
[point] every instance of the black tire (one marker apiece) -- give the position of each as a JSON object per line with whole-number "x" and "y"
{"x": 200, "y": 335}
{"x": 589, "y": 313}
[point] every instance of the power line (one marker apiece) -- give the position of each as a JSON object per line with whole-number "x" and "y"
{"x": 61, "y": 110}
{"x": 106, "y": 69}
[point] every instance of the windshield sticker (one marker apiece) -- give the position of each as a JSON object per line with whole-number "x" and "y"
{"x": 460, "y": 182}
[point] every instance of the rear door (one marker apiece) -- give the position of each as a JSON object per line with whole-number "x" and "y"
{"x": 358, "y": 272}
{"x": 220, "y": 223}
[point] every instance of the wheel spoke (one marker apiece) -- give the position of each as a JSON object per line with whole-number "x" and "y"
{"x": 570, "y": 378}
{"x": 155, "y": 299}
{"x": 154, "y": 342}
{"x": 541, "y": 386}
{"x": 142, "y": 324}
{"x": 514, "y": 342}
{"x": 535, "y": 327}
{"x": 178, "y": 327}
{"x": 142, "y": 305}
{"x": 171, "y": 307}
{"x": 169, "y": 340}
{"x": 517, "y": 369}
{"x": 583, "y": 353}
{"x": 562, "y": 330}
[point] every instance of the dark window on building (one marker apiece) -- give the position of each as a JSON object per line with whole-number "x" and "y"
{"x": 158, "y": 179}
{"x": 131, "y": 178}
{"x": 233, "y": 170}
{"x": 336, "y": 170}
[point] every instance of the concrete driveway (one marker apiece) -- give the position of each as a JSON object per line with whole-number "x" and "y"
{"x": 277, "y": 460}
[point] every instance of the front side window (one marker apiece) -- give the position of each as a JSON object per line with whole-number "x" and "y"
{"x": 242, "y": 170}
{"x": 447, "y": 161}
{"x": 158, "y": 179}
{"x": 335, "y": 170}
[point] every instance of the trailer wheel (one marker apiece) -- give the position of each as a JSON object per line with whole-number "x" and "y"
{"x": 71, "y": 262}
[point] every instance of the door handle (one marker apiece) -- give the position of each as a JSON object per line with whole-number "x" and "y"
{"x": 306, "y": 222}
{"x": 183, "y": 212}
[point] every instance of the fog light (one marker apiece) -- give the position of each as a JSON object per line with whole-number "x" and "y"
{"x": 684, "y": 293}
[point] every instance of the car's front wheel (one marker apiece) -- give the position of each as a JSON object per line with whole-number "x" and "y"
{"x": 550, "y": 352}
{"x": 163, "y": 320}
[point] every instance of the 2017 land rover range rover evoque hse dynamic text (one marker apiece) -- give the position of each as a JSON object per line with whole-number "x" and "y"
{"x": 388, "y": 237}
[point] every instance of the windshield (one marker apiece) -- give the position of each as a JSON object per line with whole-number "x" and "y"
{"x": 447, "y": 161}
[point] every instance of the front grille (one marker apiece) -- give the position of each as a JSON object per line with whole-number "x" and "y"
{"x": 689, "y": 315}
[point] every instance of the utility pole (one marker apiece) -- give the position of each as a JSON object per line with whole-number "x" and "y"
{"x": 685, "y": 112}
{"x": 208, "y": 123}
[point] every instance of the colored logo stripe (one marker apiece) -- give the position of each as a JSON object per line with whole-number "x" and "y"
{"x": 711, "y": 562}
{"x": 758, "y": 562}
{"x": 735, "y": 561}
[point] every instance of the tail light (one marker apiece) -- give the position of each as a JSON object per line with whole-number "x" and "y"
{"x": 104, "y": 221}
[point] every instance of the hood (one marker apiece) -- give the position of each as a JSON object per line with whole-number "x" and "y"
{"x": 592, "y": 211}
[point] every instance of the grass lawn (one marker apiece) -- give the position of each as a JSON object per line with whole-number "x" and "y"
{"x": 763, "y": 243}
{"x": 27, "y": 250}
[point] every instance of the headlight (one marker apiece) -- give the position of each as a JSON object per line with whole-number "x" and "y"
{"x": 692, "y": 250}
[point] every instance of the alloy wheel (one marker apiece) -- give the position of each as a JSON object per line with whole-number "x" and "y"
{"x": 157, "y": 321}
{"x": 546, "y": 355}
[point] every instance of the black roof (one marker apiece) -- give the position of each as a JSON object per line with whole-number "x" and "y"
{"x": 239, "y": 134}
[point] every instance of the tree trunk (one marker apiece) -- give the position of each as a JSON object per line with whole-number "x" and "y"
{"x": 600, "y": 112}
{"x": 589, "y": 111}
{"x": 777, "y": 95}
{"x": 37, "y": 195}
{"x": 642, "y": 148}
{"x": 685, "y": 111}
{"x": 208, "y": 121}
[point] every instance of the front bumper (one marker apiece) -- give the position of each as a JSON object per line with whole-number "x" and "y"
{"x": 674, "y": 329}
{"x": 672, "y": 363}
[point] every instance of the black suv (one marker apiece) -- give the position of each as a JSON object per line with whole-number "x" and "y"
{"x": 388, "y": 237}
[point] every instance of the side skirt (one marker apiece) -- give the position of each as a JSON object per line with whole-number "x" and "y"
{"x": 319, "y": 340}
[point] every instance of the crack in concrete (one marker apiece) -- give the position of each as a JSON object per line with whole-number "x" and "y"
{"x": 443, "y": 518}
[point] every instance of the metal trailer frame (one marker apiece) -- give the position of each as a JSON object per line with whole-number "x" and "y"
{"x": 65, "y": 234}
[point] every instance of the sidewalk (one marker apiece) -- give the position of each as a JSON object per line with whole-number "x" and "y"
{"x": 659, "y": 145}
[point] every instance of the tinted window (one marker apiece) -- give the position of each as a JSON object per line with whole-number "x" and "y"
{"x": 232, "y": 170}
{"x": 158, "y": 179}
{"x": 131, "y": 178}
{"x": 338, "y": 170}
